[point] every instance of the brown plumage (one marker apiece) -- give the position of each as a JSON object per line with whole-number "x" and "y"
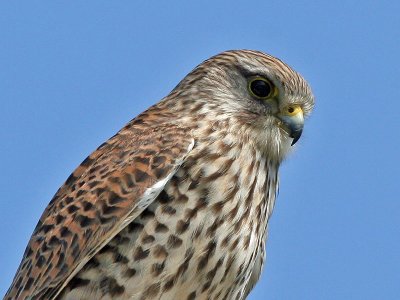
{"x": 176, "y": 204}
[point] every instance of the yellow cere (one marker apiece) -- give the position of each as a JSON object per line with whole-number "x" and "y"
{"x": 292, "y": 110}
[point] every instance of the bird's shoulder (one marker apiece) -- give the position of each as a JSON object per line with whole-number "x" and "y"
{"x": 105, "y": 192}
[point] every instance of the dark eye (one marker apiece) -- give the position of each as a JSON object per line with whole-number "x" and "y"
{"x": 260, "y": 87}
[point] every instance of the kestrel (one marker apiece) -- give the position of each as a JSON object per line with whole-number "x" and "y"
{"x": 176, "y": 204}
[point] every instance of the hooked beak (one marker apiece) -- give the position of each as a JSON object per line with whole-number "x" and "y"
{"x": 292, "y": 121}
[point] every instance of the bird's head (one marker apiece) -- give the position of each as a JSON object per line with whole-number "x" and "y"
{"x": 259, "y": 94}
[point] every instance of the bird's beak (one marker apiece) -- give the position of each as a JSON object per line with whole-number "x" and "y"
{"x": 292, "y": 121}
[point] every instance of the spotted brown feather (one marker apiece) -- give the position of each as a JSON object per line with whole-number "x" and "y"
{"x": 89, "y": 209}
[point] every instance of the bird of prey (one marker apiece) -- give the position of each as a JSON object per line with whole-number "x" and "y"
{"x": 176, "y": 204}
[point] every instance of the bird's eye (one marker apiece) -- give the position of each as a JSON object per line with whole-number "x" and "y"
{"x": 261, "y": 88}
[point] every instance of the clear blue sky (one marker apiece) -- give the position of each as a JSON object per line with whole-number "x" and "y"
{"x": 73, "y": 72}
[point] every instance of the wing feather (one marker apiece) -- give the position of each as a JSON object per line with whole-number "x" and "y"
{"x": 102, "y": 196}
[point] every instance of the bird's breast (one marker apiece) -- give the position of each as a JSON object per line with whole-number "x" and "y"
{"x": 199, "y": 239}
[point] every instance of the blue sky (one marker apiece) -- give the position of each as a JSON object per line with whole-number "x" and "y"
{"x": 72, "y": 73}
